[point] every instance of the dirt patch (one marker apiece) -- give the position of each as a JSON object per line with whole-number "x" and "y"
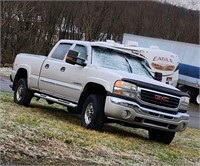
{"x": 193, "y": 106}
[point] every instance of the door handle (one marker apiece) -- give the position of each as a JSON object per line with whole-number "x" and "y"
{"x": 62, "y": 69}
{"x": 46, "y": 66}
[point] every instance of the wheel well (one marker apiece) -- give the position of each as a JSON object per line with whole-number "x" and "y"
{"x": 90, "y": 88}
{"x": 21, "y": 73}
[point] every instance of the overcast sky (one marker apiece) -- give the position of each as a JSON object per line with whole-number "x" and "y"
{"x": 191, "y": 4}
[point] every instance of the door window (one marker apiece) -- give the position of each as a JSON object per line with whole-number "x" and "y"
{"x": 61, "y": 51}
{"x": 82, "y": 51}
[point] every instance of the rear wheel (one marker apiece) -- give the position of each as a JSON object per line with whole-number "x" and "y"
{"x": 193, "y": 94}
{"x": 161, "y": 136}
{"x": 92, "y": 116}
{"x": 22, "y": 95}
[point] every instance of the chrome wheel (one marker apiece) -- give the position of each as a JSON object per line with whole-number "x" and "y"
{"x": 92, "y": 116}
{"x": 89, "y": 112}
{"x": 22, "y": 95}
{"x": 19, "y": 93}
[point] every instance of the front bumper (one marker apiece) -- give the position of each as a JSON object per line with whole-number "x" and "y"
{"x": 131, "y": 112}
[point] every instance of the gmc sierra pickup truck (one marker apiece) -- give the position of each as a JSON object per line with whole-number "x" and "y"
{"x": 104, "y": 84}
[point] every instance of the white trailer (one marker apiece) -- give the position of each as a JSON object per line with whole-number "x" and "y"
{"x": 189, "y": 61}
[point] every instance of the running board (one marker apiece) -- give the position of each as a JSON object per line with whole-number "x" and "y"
{"x": 60, "y": 101}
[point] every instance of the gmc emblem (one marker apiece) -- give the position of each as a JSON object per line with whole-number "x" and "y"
{"x": 161, "y": 98}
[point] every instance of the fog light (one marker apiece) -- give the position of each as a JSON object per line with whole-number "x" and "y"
{"x": 125, "y": 114}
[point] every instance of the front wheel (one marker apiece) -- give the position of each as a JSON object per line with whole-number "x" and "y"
{"x": 22, "y": 95}
{"x": 165, "y": 137}
{"x": 92, "y": 116}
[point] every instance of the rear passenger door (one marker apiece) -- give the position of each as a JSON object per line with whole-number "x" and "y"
{"x": 51, "y": 69}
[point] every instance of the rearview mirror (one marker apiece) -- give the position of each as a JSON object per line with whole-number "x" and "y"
{"x": 73, "y": 58}
{"x": 158, "y": 76}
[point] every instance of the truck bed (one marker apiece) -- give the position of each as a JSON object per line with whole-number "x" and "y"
{"x": 29, "y": 62}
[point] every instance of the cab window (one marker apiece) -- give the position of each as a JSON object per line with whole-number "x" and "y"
{"x": 82, "y": 50}
{"x": 61, "y": 51}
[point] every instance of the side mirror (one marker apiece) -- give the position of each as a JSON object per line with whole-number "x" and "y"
{"x": 158, "y": 76}
{"x": 73, "y": 58}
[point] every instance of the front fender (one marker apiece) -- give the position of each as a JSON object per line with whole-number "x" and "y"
{"x": 107, "y": 85}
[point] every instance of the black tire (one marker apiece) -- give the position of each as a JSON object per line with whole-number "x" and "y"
{"x": 165, "y": 137}
{"x": 50, "y": 102}
{"x": 192, "y": 93}
{"x": 93, "y": 116}
{"x": 22, "y": 95}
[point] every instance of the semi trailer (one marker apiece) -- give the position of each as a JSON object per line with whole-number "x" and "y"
{"x": 189, "y": 61}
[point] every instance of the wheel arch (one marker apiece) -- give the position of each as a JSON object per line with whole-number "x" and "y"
{"x": 90, "y": 88}
{"x": 21, "y": 73}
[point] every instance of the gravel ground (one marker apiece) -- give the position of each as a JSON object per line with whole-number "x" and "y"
{"x": 5, "y": 71}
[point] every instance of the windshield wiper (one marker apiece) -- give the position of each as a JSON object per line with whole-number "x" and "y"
{"x": 130, "y": 68}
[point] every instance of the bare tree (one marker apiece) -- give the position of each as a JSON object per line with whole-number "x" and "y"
{"x": 33, "y": 26}
{"x": 17, "y": 26}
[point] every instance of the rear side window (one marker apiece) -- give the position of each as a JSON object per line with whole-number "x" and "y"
{"x": 61, "y": 51}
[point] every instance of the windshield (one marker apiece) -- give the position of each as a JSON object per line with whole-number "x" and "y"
{"x": 112, "y": 59}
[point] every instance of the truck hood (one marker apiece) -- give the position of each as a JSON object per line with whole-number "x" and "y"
{"x": 141, "y": 78}
{"x": 144, "y": 82}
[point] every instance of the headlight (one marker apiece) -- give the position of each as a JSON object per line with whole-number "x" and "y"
{"x": 125, "y": 89}
{"x": 184, "y": 103}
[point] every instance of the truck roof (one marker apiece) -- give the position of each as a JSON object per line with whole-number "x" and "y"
{"x": 98, "y": 43}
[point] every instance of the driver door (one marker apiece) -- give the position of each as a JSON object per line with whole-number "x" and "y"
{"x": 71, "y": 79}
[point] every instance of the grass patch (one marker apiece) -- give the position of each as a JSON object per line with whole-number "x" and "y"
{"x": 47, "y": 134}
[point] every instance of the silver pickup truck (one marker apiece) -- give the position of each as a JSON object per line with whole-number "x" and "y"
{"x": 104, "y": 84}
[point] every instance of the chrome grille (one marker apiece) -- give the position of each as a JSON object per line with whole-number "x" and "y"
{"x": 159, "y": 99}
